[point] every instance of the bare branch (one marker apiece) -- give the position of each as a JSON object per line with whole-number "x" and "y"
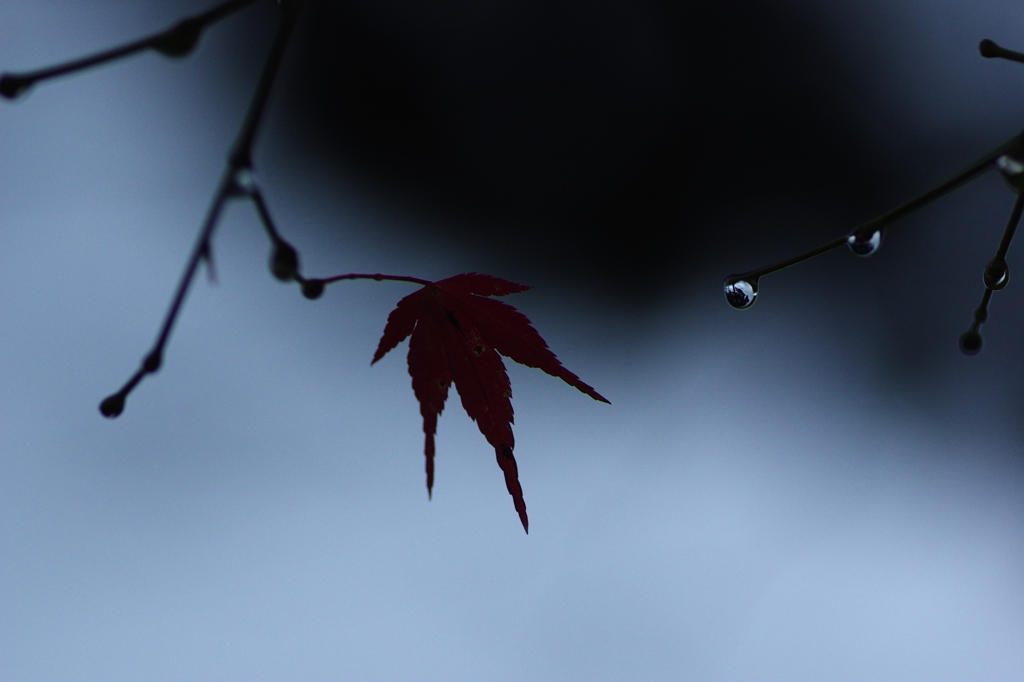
{"x": 990, "y": 49}
{"x": 997, "y": 276}
{"x": 238, "y": 180}
{"x": 1007, "y": 153}
{"x": 176, "y": 41}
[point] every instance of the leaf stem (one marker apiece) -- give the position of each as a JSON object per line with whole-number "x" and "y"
{"x": 176, "y": 41}
{"x": 379, "y": 277}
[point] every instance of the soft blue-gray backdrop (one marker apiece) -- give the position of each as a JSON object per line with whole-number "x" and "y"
{"x": 762, "y": 501}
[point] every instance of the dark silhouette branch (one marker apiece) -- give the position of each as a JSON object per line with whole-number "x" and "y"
{"x": 741, "y": 289}
{"x": 177, "y": 41}
{"x": 238, "y": 181}
{"x": 990, "y": 49}
{"x": 997, "y": 276}
{"x": 990, "y": 160}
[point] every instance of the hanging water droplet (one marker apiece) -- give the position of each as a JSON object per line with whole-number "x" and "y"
{"x": 284, "y": 262}
{"x": 741, "y": 293}
{"x": 180, "y": 40}
{"x": 970, "y": 342}
{"x": 112, "y": 406}
{"x": 865, "y": 242}
{"x": 997, "y": 274}
{"x": 1012, "y": 169}
{"x": 1009, "y": 165}
{"x": 12, "y": 86}
{"x": 313, "y": 289}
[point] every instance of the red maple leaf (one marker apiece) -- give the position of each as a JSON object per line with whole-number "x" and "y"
{"x": 459, "y": 336}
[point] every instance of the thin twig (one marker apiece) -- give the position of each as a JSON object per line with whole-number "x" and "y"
{"x": 741, "y": 289}
{"x": 313, "y": 288}
{"x": 997, "y": 276}
{"x": 1011, "y": 227}
{"x": 241, "y": 152}
{"x": 966, "y": 175}
{"x": 176, "y": 41}
{"x": 990, "y": 49}
{"x": 239, "y": 161}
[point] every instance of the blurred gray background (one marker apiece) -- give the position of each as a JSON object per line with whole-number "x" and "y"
{"x": 819, "y": 488}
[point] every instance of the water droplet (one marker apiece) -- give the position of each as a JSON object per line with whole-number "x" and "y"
{"x": 997, "y": 274}
{"x": 1009, "y": 165}
{"x": 112, "y": 406}
{"x": 180, "y": 40}
{"x": 970, "y": 342}
{"x": 312, "y": 289}
{"x": 864, "y": 242}
{"x": 285, "y": 262}
{"x": 153, "y": 362}
{"x": 12, "y": 86}
{"x": 741, "y": 293}
{"x": 244, "y": 183}
{"x": 1012, "y": 169}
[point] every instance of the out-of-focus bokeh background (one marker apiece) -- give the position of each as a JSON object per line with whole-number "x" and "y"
{"x": 819, "y": 488}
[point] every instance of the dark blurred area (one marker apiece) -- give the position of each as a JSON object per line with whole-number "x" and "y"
{"x": 624, "y": 155}
{"x": 601, "y": 141}
{"x": 626, "y": 151}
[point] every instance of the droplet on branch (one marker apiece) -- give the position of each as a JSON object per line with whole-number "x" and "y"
{"x": 180, "y": 40}
{"x": 865, "y": 242}
{"x": 997, "y": 274}
{"x": 741, "y": 293}
{"x": 970, "y": 342}
{"x": 1012, "y": 169}
{"x": 312, "y": 289}
{"x": 285, "y": 262}
{"x": 12, "y": 86}
{"x": 112, "y": 406}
